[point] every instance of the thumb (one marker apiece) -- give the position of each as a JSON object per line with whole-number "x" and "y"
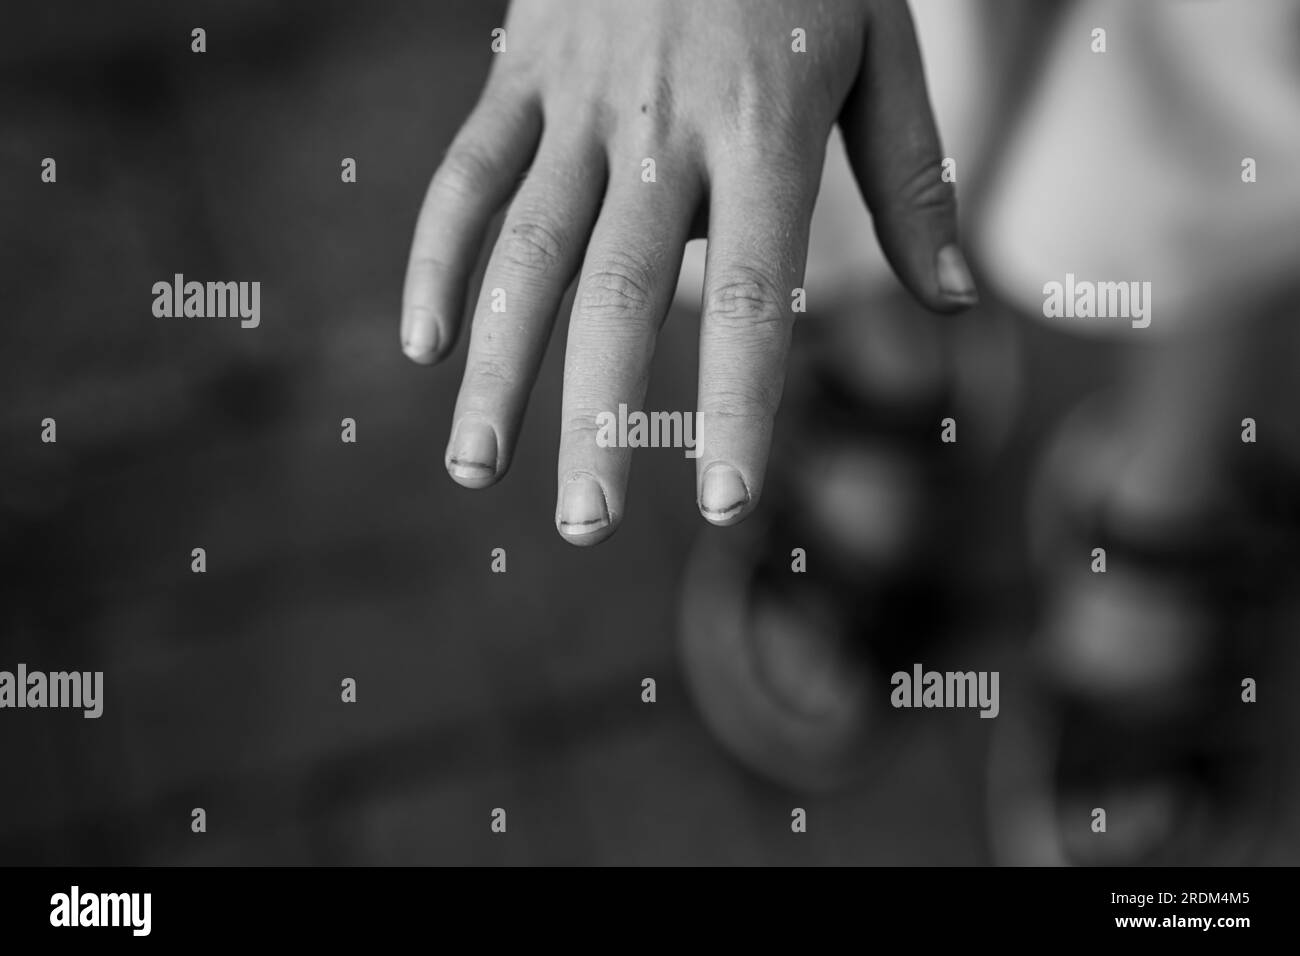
{"x": 894, "y": 150}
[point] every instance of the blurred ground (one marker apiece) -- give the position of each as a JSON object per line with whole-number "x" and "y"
{"x": 328, "y": 560}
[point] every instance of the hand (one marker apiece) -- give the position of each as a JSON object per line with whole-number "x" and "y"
{"x": 736, "y": 122}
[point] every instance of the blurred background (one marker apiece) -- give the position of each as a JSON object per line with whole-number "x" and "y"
{"x": 328, "y": 560}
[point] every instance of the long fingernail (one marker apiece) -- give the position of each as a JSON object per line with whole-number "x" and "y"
{"x": 473, "y": 451}
{"x": 723, "y": 492}
{"x": 421, "y": 344}
{"x": 582, "y": 506}
{"x": 955, "y": 280}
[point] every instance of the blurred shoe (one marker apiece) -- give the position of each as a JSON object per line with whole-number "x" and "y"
{"x": 788, "y": 669}
{"x": 1140, "y": 710}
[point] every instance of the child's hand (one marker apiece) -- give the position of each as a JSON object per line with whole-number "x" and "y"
{"x": 736, "y": 122}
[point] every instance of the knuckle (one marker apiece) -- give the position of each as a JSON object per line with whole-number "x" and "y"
{"x": 619, "y": 288}
{"x": 465, "y": 171}
{"x": 656, "y": 122}
{"x": 925, "y": 190}
{"x": 492, "y": 373}
{"x": 532, "y": 247}
{"x": 746, "y": 297}
{"x": 429, "y": 269}
{"x": 757, "y": 101}
{"x": 581, "y": 425}
{"x": 742, "y": 403}
{"x": 769, "y": 120}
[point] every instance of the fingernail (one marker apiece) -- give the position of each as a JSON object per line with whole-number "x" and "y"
{"x": 582, "y": 506}
{"x": 955, "y": 281}
{"x": 421, "y": 345}
{"x": 473, "y": 451}
{"x": 723, "y": 492}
